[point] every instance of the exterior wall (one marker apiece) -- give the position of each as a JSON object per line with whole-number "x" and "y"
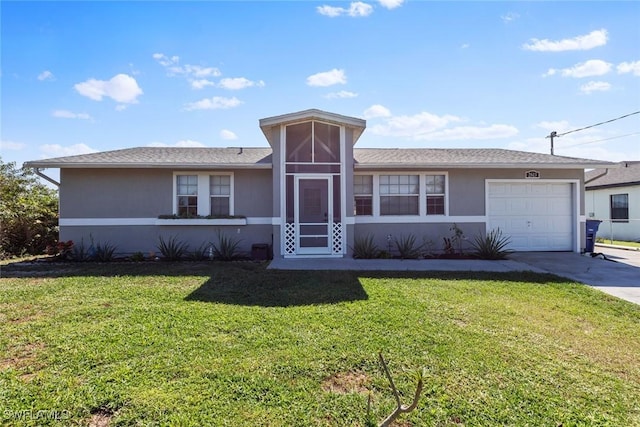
{"x": 115, "y": 193}
{"x": 429, "y": 235}
{"x": 598, "y": 207}
{"x": 348, "y": 192}
{"x": 467, "y": 207}
{"x": 121, "y": 206}
{"x": 147, "y": 193}
{"x": 140, "y": 238}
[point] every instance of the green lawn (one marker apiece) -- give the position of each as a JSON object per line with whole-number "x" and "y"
{"x": 235, "y": 344}
{"x": 618, "y": 242}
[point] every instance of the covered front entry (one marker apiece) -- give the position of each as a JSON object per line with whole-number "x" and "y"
{"x": 313, "y": 214}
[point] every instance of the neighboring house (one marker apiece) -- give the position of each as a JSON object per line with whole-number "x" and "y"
{"x": 313, "y": 194}
{"x": 613, "y": 196}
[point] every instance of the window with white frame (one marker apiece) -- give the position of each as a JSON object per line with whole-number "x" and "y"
{"x": 435, "y": 191}
{"x": 203, "y": 194}
{"x": 187, "y": 195}
{"x": 220, "y": 193}
{"x": 363, "y": 194}
{"x": 399, "y": 194}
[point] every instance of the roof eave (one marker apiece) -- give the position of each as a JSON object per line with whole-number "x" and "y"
{"x": 146, "y": 165}
{"x": 477, "y": 165}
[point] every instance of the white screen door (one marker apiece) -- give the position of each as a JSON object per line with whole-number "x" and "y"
{"x": 313, "y": 214}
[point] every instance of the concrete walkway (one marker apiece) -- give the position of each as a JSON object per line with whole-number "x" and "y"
{"x": 621, "y": 279}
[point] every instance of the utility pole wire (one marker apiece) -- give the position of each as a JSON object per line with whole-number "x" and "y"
{"x": 555, "y": 134}
{"x": 598, "y": 124}
{"x": 600, "y": 140}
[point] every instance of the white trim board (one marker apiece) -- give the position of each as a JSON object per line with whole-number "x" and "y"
{"x": 129, "y": 222}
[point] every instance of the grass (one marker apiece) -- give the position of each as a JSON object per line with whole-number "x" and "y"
{"x": 618, "y": 242}
{"x": 233, "y": 344}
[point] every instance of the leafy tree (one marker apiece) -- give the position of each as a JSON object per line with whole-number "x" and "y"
{"x": 28, "y": 212}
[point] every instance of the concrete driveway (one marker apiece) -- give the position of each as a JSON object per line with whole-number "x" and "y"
{"x": 617, "y": 273}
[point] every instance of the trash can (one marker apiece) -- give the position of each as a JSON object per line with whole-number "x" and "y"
{"x": 592, "y": 230}
{"x": 260, "y": 251}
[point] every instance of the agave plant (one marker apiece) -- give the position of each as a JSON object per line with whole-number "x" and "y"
{"x": 226, "y": 249}
{"x": 492, "y": 246}
{"x": 104, "y": 252}
{"x": 365, "y": 247}
{"x": 408, "y": 248}
{"x": 172, "y": 249}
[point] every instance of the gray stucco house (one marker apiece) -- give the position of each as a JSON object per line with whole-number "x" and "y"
{"x": 312, "y": 193}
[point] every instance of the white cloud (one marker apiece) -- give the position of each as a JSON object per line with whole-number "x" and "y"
{"x": 173, "y": 67}
{"x": 341, "y": 94}
{"x": 629, "y": 67}
{"x": 558, "y": 126}
{"x": 237, "y": 83}
{"x": 327, "y": 78}
{"x": 57, "y": 150}
{"x": 510, "y": 16}
{"x": 66, "y": 114}
{"x": 471, "y": 132}
{"x": 416, "y": 126}
{"x": 592, "y": 67}
{"x": 586, "y": 42}
{"x": 228, "y": 135}
{"x": 121, "y": 88}
{"x": 426, "y": 126}
{"x": 595, "y": 87}
{"x": 465, "y": 46}
{"x": 376, "y": 110}
{"x": 183, "y": 143}
{"x": 215, "y": 103}
{"x": 356, "y": 9}
{"x": 390, "y": 4}
{"x": 201, "y": 83}
{"x": 11, "y": 145}
{"x": 120, "y": 107}
{"x": 46, "y": 75}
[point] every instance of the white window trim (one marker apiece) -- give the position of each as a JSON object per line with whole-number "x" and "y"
{"x": 204, "y": 196}
{"x": 423, "y": 187}
{"x": 422, "y": 195}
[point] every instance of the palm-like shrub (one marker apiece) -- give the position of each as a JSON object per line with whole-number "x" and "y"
{"x": 172, "y": 249}
{"x": 492, "y": 246}
{"x": 365, "y": 247}
{"x": 226, "y": 249}
{"x": 408, "y": 248}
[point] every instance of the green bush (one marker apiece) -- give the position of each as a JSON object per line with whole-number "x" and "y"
{"x": 364, "y": 247}
{"x": 137, "y": 257}
{"x": 226, "y": 249}
{"x": 407, "y": 247}
{"x": 492, "y": 246}
{"x": 28, "y": 212}
{"x": 104, "y": 252}
{"x": 201, "y": 253}
{"x": 172, "y": 249}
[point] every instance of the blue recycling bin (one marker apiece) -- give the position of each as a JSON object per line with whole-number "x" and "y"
{"x": 592, "y": 230}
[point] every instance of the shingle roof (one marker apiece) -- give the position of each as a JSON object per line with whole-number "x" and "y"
{"x": 164, "y": 157}
{"x": 465, "y": 157}
{"x": 201, "y": 157}
{"x": 627, "y": 174}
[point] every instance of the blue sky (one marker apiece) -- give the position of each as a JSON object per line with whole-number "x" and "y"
{"x": 79, "y": 77}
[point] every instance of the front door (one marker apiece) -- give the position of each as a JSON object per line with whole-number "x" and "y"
{"x": 313, "y": 214}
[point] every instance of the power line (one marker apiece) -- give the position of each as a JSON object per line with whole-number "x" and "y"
{"x": 555, "y": 134}
{"x": 604, "y": 139}
{"x": 598, "y": 124}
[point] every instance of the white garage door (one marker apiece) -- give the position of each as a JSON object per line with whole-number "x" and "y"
{"x": 537, "y": 216}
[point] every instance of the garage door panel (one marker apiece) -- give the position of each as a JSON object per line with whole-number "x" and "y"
{"x": 535, "y": 216}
